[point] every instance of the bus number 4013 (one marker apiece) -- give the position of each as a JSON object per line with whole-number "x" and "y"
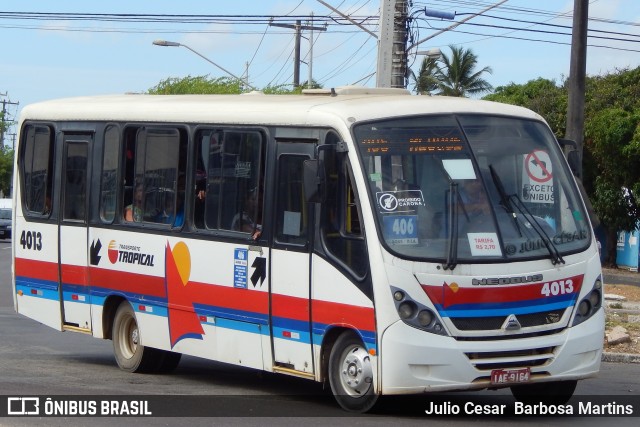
{"x": 31, "y": 240}
{"x": 560, "y": 287}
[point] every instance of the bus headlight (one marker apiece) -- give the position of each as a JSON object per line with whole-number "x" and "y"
{"x": 425, "y": 318}
{"x": 590, "y": 304}
{"x": 406, "y": 310}
{"x": 415, "y": 314}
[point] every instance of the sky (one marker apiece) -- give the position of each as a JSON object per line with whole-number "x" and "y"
{"x": 52, "y": 55}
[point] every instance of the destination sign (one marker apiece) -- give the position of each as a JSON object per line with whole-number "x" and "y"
{"x": 404, "y": 141}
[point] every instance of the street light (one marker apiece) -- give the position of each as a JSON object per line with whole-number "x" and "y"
{"x": 176, "y": 44}
{"x": 434, "y": 53}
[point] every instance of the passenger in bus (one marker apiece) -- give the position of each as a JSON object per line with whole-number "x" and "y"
{"x": 474, "y": 198}
{"x": 243, "y": 221}
{"x": 178, "y": 219}
{"x": 135, "y": 211}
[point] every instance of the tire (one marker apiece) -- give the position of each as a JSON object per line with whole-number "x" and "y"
{"x": 351, "y": 374}
{"x": 130, "y": 355}
{"x": 551, "y": 393}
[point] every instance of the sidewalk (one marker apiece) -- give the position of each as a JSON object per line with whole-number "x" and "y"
{"x": 629, "y": 308}
{"x": 620, "y": 276}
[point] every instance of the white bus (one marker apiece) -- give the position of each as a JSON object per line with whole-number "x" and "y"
{"x": 380, "y": 242}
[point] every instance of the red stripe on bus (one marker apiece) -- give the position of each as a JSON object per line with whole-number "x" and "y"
{"x": 449, "y": 294}
{"x": 41, "y": 270}
{"x": 128, "y": 282}
{"x": 333, "y": 313}
{"x": 290, "y": 307}
{"x": 228, "y": 297}
{"x": 74, "y": 274}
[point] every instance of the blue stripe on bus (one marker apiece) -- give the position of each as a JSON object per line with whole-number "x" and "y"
{"x": 36, "y": 283}
{"x": 490, "y": 312}
{"x": 232, "y": 314}
{"x": 38, "y": 292}
{"x": 320, "y": 330}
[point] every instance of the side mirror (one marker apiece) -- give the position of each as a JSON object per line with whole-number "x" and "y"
{"x": 564, "y": 143}
{"x": 314, "y": 180}
{"x": 574, "y": 162}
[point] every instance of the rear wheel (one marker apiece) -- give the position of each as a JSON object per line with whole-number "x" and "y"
{"x": 351, "y": 374}
{"x": 551, "y": 393}
{"x": 130, "y": 354}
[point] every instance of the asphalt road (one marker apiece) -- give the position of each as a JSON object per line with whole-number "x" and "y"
{"x": 36, "y": 360}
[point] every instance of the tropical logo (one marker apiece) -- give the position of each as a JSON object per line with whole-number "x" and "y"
{"x": 112, "y": 251}
{"x": 129, "y": 254}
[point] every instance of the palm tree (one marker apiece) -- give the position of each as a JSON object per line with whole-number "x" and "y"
{"x": 427, "y": 79}
{"x": 456, "y": 76}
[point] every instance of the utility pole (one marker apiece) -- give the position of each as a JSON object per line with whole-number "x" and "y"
{"x": 392, "y": 53}
{"x": 3, "y": 119}
{"x": 298, "y": 27}
{"x": 577, "y": 78}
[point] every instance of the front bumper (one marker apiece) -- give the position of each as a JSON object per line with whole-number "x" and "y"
{"x": 413, "y": 361}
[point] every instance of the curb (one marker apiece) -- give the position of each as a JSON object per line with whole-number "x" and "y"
{"x": 620, "y": 357}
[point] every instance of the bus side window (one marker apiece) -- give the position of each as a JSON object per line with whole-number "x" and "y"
{"x": 233, "y": 197}
{"x": 291, "y": 209}
{"x": 75, "y": 181}
{"x": 109, "y": 181}
{"x": 37, "y": 169}
{"x": 156, "y": 175}
{"x": 341, "y": 219}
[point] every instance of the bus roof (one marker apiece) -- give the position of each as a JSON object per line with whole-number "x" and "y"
{"x": 348, "y": 104}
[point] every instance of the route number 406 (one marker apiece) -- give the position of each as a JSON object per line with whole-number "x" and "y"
{"x": 561, "y": 287}
{"x": 403, "y": 226}
{"x": 31, "y": 240}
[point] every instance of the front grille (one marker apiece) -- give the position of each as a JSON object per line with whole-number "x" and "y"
{"x": 511, "y": 359}
{"x": 496, "y": 322}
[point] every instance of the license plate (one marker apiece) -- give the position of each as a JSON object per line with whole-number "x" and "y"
{"x": 508, "y": 376}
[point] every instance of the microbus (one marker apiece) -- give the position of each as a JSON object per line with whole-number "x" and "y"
{"x": 376, "y": 241}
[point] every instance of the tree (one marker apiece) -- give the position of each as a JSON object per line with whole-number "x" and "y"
{"x": 543, "y": 96}
{"x": 205, "y": 85}
{"x": 6, "y": 159}
{"x": 6, "y": 170}
{"x": 455, "y": 75}
{"x": 612, "y": 136}
{"x": 197, "y": 85}
{"x": 427, "y": 80}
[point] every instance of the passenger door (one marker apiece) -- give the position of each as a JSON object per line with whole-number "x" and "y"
{"x": 73, "y": 249}
{"x": 292, "y": 337}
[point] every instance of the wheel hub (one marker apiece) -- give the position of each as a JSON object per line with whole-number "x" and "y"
{"x": 135, "y": 337}
{"x": 356, "y": 374}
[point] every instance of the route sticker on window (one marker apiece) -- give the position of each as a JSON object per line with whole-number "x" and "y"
{"x": 484, "y": 244}
{"x": 399, "y": 201}
{"x": 401, "y": 229}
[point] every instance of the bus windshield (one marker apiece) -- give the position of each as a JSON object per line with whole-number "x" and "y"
{"x": 471, "y": 188}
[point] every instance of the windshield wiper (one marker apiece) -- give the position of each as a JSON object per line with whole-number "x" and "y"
{"x": 556, "y": 258}
{"x": 452, "y": 244}
{"x": 504, "y": 198}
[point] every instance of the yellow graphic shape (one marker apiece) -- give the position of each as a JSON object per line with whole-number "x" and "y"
{"x": 454, "y": 287}
{"x": 182, "y": 258}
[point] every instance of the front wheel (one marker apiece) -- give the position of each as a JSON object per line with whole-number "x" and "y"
{"x": 551, "y": 393}
{"x": 130, "y": 354}
{"x": 351, "y": 374}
